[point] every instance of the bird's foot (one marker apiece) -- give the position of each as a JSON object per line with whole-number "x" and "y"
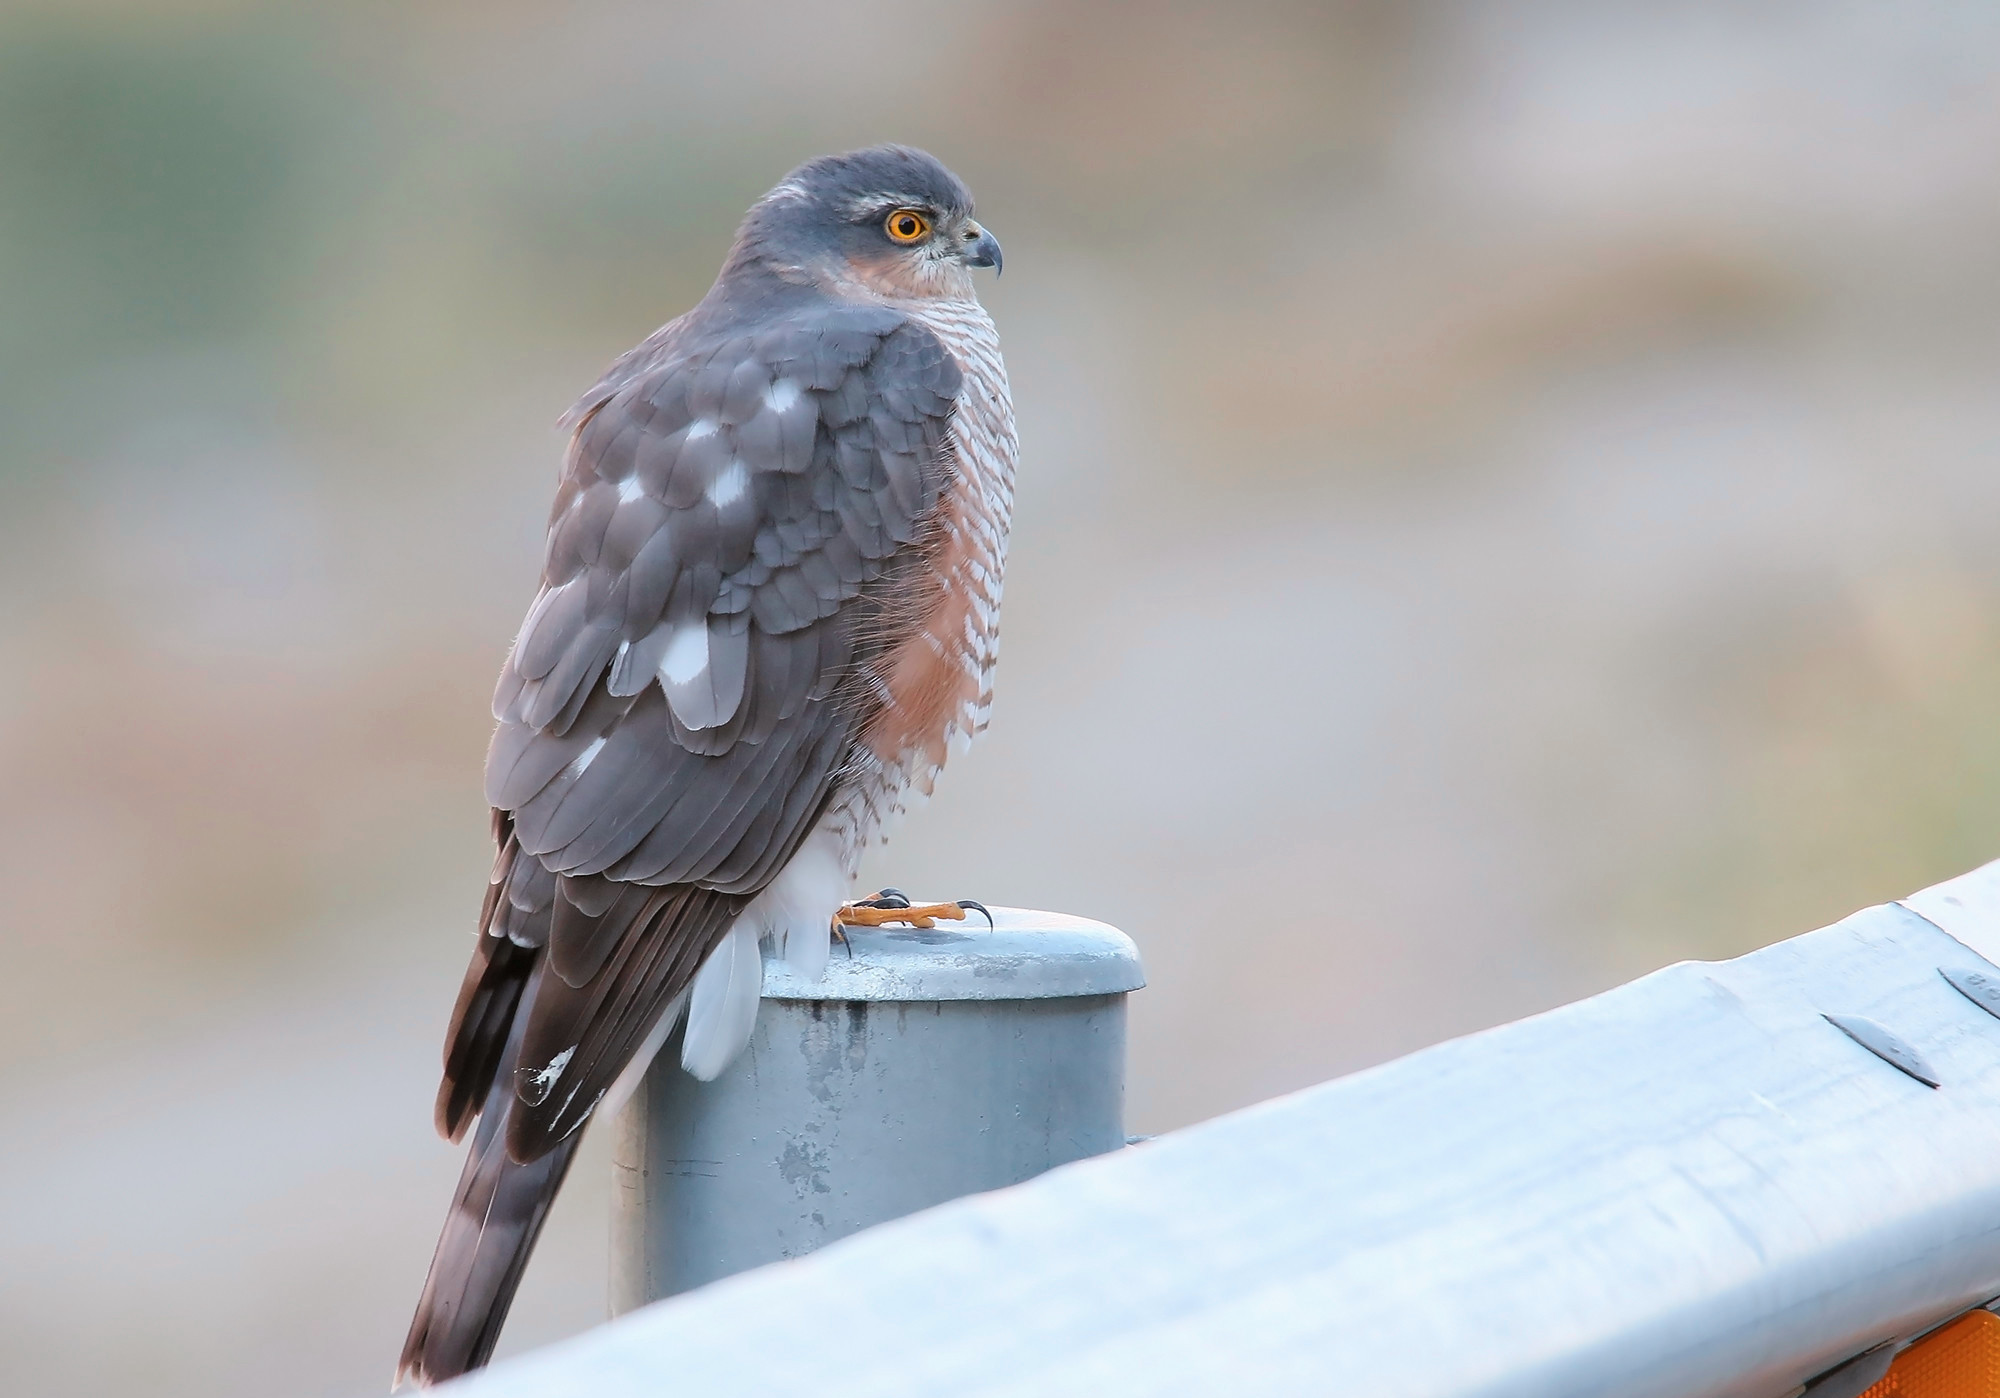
{"x": 892, "y": 905}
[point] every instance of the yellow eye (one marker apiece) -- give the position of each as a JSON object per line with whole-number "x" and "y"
{"x": 906, "y": 226}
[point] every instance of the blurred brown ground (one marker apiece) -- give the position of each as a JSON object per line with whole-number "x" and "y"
{"x": 1534, "y": 468}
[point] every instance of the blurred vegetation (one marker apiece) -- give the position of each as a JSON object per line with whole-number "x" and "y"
{"x": 160, "y": 192}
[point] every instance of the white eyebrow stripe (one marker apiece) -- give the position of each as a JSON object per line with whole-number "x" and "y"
{"x": 884, "y": 201}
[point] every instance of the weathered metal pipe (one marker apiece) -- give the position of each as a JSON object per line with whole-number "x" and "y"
{"x": 926, "y": 1066}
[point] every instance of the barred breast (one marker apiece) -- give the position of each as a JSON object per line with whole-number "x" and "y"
{"x": 937, "y": 687}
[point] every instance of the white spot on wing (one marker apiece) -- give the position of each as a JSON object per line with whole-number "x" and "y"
{"x": 728, "y": 487}
{"x": 687, "y": 654}
{"x": 782, "y": 395}
{"x": 701, "y": 427}
{"x": 545, "y": 1079}
{"x": 630, "y": 489}
{"x": 586, "y": 757}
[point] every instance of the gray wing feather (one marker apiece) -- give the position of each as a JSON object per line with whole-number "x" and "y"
{"x": 735, "y": 523}
{"x": 746, "y": 491}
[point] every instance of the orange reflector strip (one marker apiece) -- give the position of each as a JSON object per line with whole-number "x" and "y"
{"x": 1960, "y": 1361}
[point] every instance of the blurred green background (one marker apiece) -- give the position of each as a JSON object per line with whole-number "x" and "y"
{"x": 1508, "y": 500}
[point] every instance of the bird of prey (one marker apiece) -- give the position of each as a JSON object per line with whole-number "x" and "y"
{"x": 769, "y": 610}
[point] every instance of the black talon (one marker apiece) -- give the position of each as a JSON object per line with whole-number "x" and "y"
{"x": 840, "y": 935}
{"x": 888, "y": 898}
{"x": 970, "y": 906}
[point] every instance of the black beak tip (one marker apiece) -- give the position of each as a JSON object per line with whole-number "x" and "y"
{"x": 984, "y": 252}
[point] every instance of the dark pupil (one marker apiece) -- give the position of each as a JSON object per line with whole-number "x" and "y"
{"x": 906, "y": 227}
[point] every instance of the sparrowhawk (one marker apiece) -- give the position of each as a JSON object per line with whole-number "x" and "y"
{"x": 768, "y": 612}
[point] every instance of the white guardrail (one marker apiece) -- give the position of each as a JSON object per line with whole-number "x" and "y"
{"x": 1732, "y": 1178}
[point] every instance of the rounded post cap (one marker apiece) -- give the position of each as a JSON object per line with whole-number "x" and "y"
{"x": 1027, "y": 955}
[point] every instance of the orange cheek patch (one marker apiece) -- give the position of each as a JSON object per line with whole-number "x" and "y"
{"x": 900, "y": 273}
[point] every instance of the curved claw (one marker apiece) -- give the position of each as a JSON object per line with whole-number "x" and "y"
{"x": 886, "y": 898}
{"x": 979, "y": 908}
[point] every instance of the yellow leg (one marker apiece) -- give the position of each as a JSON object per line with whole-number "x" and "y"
{"x": 890, "y": 906}
{"x": 916, "y": 915}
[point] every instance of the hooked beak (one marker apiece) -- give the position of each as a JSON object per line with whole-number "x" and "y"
{"x": 980, "y": 248}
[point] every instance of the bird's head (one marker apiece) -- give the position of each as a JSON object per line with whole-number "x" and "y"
{"x": 886, "y": 221}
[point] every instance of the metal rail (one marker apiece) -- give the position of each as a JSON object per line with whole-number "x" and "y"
{"x": 1726, "y": 1179}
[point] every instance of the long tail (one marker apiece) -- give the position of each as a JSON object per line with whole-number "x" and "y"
{"x": 568, "y": 976}
{"x": 495, "y": 1217}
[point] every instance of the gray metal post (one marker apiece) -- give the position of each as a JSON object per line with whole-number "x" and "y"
{"x": 929, "y": 1065}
